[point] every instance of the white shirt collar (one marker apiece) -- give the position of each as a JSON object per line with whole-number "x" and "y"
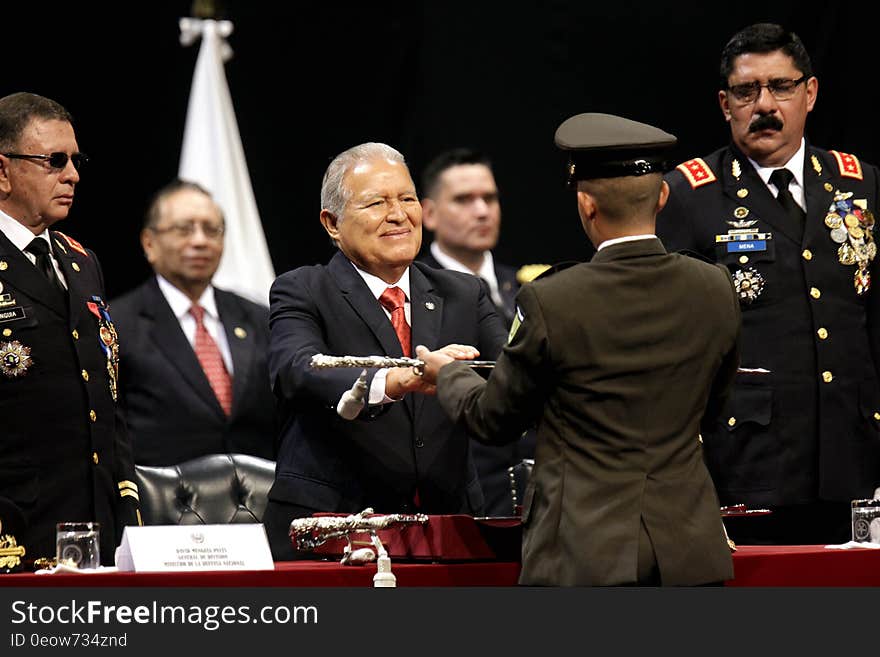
{"x": 180, "y": 303}
{"x": 486, "y": 271}
{"x": 795, "y": 165}
{"x": 377, "y": 285}
{"x": 448, "y": 262}
{"x": 627, "y": 238}
{"x": 18, "y": 233}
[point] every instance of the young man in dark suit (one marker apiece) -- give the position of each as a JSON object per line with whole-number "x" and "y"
{"x": 461, "y": 206}
{"x": 400, "y": 453}
{"x": 607, "y": 358}
{"x": 194, "y": 378}
{"x": 64, "y": 452}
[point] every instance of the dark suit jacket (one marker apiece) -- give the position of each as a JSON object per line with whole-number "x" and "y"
{"x": 788, "y": 436}
{"x": 380, "y": 458}
{"x": 64, "y": 452}
{"x": 172, "y": 412}
{"x": 612, "y": 363}
{"x": 507, "y": 286}
{"x": 493, "y": 461}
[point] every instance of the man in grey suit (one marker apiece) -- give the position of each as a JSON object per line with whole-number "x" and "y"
{"x": 619, "y": 360}
{"x": 193, "y": 373}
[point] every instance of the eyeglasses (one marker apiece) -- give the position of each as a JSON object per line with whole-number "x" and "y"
{"x": 188, "y": 229}
{"x": 56, "y": 160}
{"x": 781, "y": 89}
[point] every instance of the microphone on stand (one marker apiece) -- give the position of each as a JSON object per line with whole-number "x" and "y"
{"x": 352, "y": 401}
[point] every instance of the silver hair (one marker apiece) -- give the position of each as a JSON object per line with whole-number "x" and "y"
{"x": 334, "y": 194}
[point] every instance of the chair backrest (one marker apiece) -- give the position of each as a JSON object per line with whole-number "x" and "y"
{"x": 519, "y": 476}
{"x": 211, "y": 489}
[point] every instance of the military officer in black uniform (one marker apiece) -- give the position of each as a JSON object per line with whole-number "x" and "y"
{"x": 794, "y": 224}
{"x": 64, "y": 451}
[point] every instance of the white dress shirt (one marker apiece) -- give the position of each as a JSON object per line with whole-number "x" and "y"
{"x": 180, "y": 305}
{"x": 21, "y": 236}
{"x": 796, "y": 166}
{"x": 486, "y": 272}
{"x": 377, "y": 287}
{"x": 627, "y": 238}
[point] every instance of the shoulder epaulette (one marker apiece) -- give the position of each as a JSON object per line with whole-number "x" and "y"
{"x": 76, "y": 246}
{"x": 849, "y": 165}
{"x": 697, "y": 172}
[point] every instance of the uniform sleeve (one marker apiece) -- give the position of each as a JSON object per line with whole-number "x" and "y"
{"x": 674, "y": 223}
{"x": 127, "y": 511}
{"x": 873, "y": 302}
{"x": 297, "y": 331}
{"x": 724, "y": 378}
{"x": 500, "y": 409}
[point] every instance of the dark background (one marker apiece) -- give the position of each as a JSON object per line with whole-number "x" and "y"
{"x": 311, "y": 79}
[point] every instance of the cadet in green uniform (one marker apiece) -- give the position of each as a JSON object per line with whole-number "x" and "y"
{"x": 64, "y": 451}
{"x": 607, "y": 358}
{"x": 794, "y": 225}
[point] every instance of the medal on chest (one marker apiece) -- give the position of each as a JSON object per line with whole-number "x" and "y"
{"x": 108, "y": 340}
{"x": 850, "y": 224}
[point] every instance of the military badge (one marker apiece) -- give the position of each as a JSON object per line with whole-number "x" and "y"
{"x": 108, "y": 339}
{"x": 517, "y": 322}
{"x": 697, "y": 172}
{"x": 6, "y": 298}
{"x": 849, "y": 165}
{"x": 73, "y": 244}
{"x": 736, "y": 169}
{"x": 749, "y": 284}
{"x": 851, "y": 225}
{"x": 15, "y": 359}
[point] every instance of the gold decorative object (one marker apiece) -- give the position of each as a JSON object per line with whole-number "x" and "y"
{"x": 528, "y": 273}
{"x": 10, "y": 552}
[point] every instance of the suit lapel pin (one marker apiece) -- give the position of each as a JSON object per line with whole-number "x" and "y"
{"x": 240, "y": 333}
{"x": 429, "y": 305}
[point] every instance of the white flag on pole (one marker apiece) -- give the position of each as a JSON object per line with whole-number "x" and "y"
{"x": 213, "y": 157}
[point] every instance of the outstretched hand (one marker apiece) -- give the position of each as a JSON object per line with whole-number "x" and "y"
{"x": 434, "y": 360}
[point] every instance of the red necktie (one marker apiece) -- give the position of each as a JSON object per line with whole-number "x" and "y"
{"x": 392, "y": 299}
{"x": 212, "y": 362}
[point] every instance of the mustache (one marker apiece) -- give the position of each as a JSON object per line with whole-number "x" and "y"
{"x": 766, "y": 122}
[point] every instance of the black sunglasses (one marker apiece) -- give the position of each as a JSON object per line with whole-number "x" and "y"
{"x": 55, "y": 160}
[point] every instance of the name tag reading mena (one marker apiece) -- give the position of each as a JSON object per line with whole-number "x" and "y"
{"x": 166, "y": 548}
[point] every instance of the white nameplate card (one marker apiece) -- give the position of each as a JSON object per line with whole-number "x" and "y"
{"x": 163, "y": 548}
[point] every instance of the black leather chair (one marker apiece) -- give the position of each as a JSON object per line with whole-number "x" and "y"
{"x": 212, "y": 489}
{"x": 519, "y": 475}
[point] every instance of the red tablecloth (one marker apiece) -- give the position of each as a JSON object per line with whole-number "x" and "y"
{"x": 804, "y": 565}
{"x": 295, "y": 573}
{"x": 788, "y": 565}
